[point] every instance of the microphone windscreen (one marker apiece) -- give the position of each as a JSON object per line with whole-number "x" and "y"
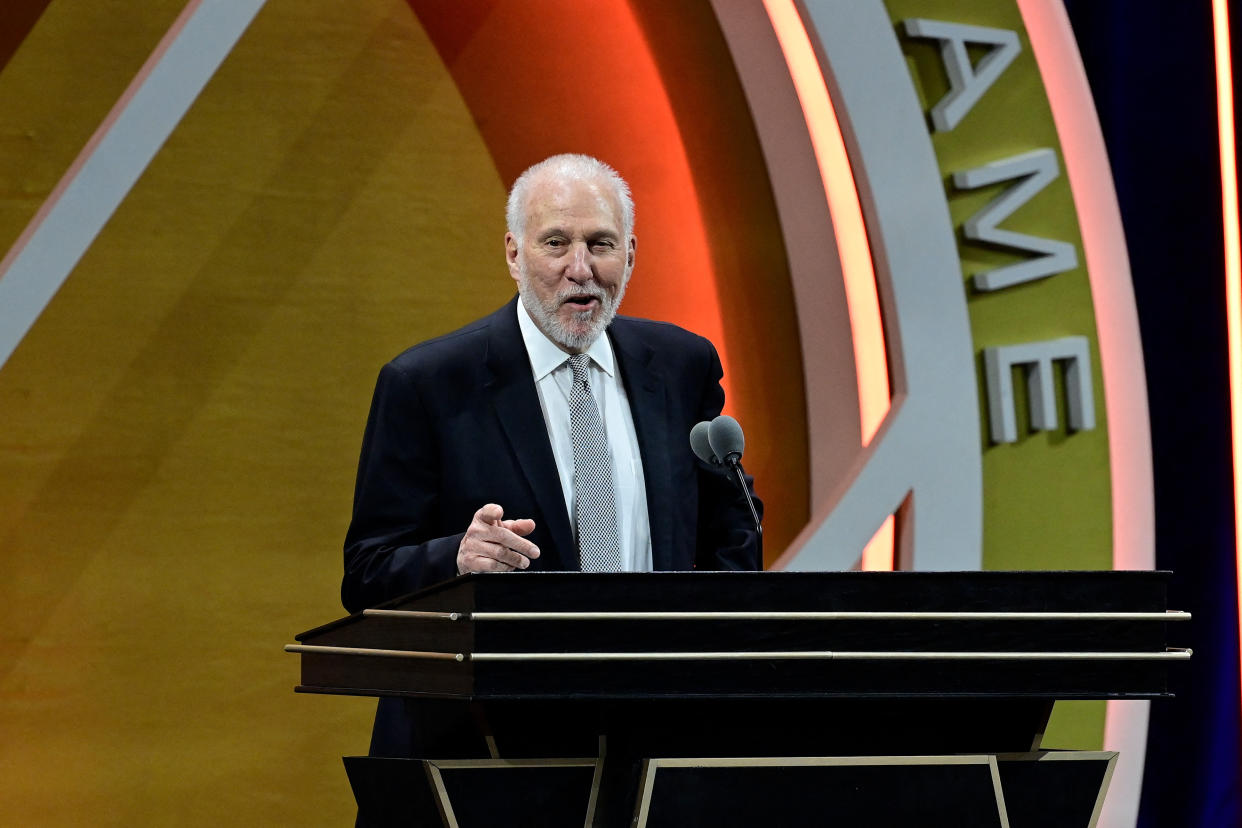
{"x": 726, "y": 437}
{"x": 701, "y": 443}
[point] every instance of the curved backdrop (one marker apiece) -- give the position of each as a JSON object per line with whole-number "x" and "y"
{"x": 196, "y": 306}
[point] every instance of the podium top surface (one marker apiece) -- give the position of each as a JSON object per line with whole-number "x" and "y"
{"x": 1040, "y": 591}
{"x": 734, "y": 634}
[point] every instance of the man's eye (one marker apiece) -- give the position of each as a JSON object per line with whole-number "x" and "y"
{"x": 555, "y": 242}
{"x": 603, "y": 244}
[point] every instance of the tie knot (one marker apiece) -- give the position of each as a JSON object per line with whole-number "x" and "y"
{"x": 578, "y": 364}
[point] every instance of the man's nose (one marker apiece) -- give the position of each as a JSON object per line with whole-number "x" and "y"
{"x": 579, "y": 269}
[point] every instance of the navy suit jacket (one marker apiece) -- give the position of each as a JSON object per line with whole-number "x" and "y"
{"x": 455, "y": 423}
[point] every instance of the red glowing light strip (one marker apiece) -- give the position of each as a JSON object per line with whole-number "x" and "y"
{"x": 1233, "y": 256}
{"x": 861, "y": 296}
{"x": 878, "y": 554}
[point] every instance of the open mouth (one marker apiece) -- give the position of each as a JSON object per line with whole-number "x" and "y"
{"x": 582, "y": 302}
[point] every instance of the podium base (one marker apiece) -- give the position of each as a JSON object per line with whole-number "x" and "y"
{"x": 1037, "y": 789}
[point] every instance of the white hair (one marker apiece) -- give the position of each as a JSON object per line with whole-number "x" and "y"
{"x": 574, "y": 167}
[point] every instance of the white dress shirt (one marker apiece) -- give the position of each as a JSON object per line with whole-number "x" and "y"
{"x": 553, "y": 381}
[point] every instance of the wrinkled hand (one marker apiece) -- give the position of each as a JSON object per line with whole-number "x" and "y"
{"x": 492, "y": 544}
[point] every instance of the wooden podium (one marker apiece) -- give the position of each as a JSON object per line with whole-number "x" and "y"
{"x": 731, "y": 698}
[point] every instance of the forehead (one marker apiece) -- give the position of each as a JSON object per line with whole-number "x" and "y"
{"x": 556, "y": 202}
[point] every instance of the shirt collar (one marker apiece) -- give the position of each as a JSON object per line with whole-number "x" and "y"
{"x": 546, "y": 356}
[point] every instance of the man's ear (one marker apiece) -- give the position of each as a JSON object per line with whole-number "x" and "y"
{"x": 629, "y": 252}
{"x": 511, "y": 256}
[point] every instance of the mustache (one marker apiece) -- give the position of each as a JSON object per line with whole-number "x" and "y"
{"x": 590, "y": 289}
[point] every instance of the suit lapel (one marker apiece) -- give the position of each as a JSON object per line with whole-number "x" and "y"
{"x": 511, "y": 390}
{"x": 646, "y": 390}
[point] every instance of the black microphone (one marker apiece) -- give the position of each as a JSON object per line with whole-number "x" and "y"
{"x": 725, "y": 443}
{"x": 727, "y": 440}
{"x": 701, "y": 444}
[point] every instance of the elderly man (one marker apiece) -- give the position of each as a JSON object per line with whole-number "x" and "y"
{"x": 551, "y": 434}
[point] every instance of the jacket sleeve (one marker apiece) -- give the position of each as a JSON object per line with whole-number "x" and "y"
{"x": 395, "y": 544}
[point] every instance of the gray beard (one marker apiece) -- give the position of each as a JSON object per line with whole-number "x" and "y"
{"x": 546, "y": 318}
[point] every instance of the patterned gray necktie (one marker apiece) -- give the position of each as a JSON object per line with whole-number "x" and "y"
{"x": 598, "y": 548}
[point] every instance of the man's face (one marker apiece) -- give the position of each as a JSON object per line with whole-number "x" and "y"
{"x": 573, "y": 264}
